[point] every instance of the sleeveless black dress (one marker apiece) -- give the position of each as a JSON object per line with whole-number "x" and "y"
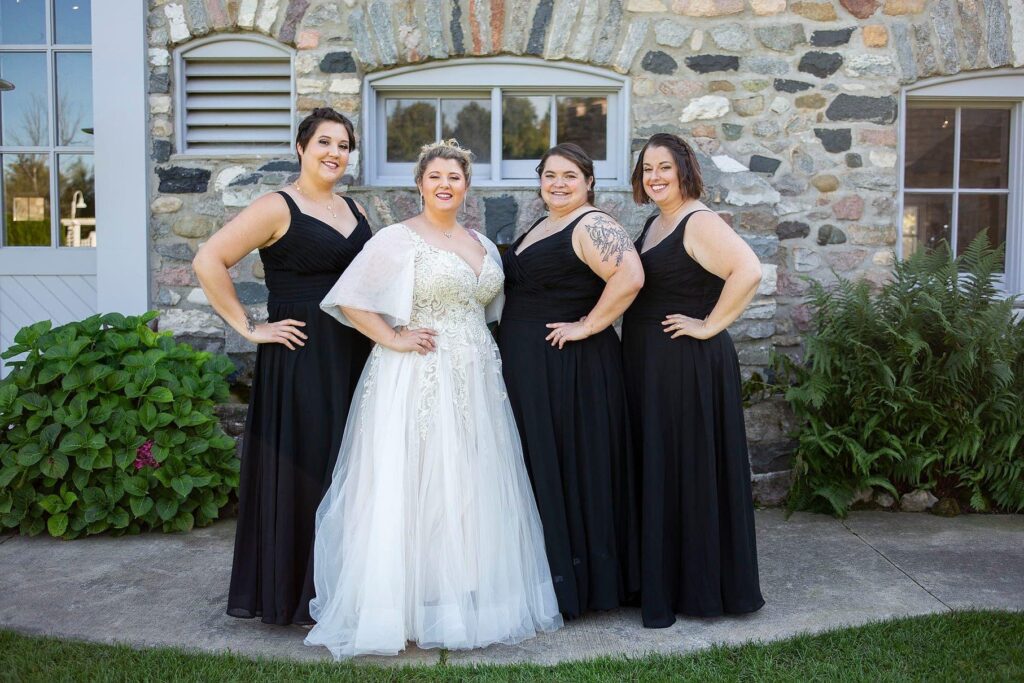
{"x": 297, "y": 411}
{"x": 698, "y": 550}
{"x": 570, "y": 408}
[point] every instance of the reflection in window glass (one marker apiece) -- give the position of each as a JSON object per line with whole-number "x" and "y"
{"x": 929, "y": 148}
{"x": 926, "y": 221}
{"x": 984, "y": 148}
{"x": 584, "y": 121}
{"x": 26, "y": 179}
{"x": 23, "y": 116}
{"x": 72, "y": 22}
{"x": 22, "y": 22}
{"x": 410, "y": 125}
{"x": 77, "y": 184}
{"x": 469, "y": 122}
{"x": 74, "y": 98}
{"x": 981, "y": 212}
{"x": 526, "y": 126}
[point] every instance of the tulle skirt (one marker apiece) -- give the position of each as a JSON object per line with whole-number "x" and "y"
{"x": 429, "y": 531}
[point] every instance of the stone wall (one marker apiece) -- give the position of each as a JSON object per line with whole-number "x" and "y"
{"x": 792, "y": 106}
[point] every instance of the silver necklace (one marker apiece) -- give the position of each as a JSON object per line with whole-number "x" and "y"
{"x": 329, "y": 207}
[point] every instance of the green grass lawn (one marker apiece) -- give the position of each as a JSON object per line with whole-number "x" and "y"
{"x": 962, "y": 646}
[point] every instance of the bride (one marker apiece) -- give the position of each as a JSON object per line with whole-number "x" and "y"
{"x": 429, "y": 531}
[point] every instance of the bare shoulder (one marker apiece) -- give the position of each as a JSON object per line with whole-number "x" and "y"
{"x": 606, "y": 235}
{"x": 707, "y": 225}
{"x": 271, "y": 205}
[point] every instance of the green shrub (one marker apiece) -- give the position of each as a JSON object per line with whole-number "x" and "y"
{"x": 916, "y": 386}
{"x": 106, "y": 425}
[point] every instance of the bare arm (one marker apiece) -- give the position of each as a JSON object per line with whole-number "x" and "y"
{"x": 719, "y": 250}
{"x": 606, "y": 248}
{"x": 262, "y": 223}
{"x": 377, "y": 329}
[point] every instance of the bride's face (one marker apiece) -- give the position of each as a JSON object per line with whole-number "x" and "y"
{"x": 443, "y": 185}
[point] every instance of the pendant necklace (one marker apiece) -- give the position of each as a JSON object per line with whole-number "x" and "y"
{"x": 329, "y": 207}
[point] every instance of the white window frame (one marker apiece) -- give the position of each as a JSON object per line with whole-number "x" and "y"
{"x": 1001, "y": 88}
{"x": 233, "y": 46}
{"x": 490, "y": 78}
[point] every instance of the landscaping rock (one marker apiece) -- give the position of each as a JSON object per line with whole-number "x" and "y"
{"x": 884, "y": 500}
{"x": 917, "y": 501}
{"x": 946, "y": 507}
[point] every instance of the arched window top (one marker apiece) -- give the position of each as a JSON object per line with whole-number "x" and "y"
{"x": 507, "y": 110}
{"x": 235, "y": 96}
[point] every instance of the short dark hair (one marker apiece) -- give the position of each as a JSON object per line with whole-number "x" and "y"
{"x": 574, "y": 153}
{"x": 308, "y": 126}
{"x": 687, "y": 167}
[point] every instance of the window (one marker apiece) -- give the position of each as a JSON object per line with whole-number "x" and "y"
{"x": 508, "y": 111}
{"x": 962, "y": 166}
{"x": 234, "y": 96}
{"x": 47, "y": 193}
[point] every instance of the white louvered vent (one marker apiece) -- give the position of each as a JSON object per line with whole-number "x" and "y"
{"x": 235, "y": 97}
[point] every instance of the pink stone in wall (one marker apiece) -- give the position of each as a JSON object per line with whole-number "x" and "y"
{"x": 802, "y": 317}
{"x": 175, "y": 276}
{"x": 849, "y": 208}
{"x": 497, "y": 25}
{"x": 308, "y": 40}
{"x": 862, "y": 9}
{"x": 217, "y": 13}
{"x": 874, "y": 136}
{"x": 845, "y": 261}
{"x": 707, "y": 8}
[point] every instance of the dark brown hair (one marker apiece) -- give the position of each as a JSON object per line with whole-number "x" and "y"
{"x": 687, "y": 167}
{"x": 575, "y": 154}
{"x": 308, "y": 126}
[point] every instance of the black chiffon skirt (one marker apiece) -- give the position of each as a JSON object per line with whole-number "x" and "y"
{"x": 698, "y": 547}
{"x": 570, "y": 408}
{"x": 297, "y": 412}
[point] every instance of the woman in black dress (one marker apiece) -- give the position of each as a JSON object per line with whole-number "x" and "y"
{"x": 566, "y": 280}
{"x": 307, "y": 366}
{"x": 698, "y": 551}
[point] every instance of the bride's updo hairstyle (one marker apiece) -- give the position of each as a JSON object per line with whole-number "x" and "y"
{"x": 444, "y": 149}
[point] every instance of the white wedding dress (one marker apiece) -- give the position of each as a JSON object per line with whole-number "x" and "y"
{"x": 429, "y": 531}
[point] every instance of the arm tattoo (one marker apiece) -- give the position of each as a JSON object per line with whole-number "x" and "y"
{"x": 609, "y": 238}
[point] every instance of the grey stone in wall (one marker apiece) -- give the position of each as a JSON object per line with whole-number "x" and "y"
{"x": 762, "y": 164}
{"x": 674, "y": 34}
{"x": 732, "y": 37}
{"x": 251, "y": 292}
{"x": 541, "y": 20}
{"x": 609, "y": 33}
{"x": 830, "y": 234}
{"x": 500, "y": 214}
{"x": 659, "y": 62}
{"x": 786, "y": 85}
{"x": 927, "y": 64}
{"x": 834, "y": 140}
{"x": 281, "y": 165}
{"x": 943, "y": 22}
{"x": 435, "y": 30}
{"x": 360, "y": 33}
{"x": 969, "y": 12}
{"x": 781, "y": 37}
{"x": 854, "y": 160}
{"x": 845, "y": 107}
{"x": 195, "y": 15}
{"x": 338, "y": 63}
{"x": 579, "y": 48}
{"x": 183, "y": 180}
{"x": 159, "y": 83}
{"x": 831, "y": 38}
{"x": 997, "y": 23}
{"x": 820, "y": 64}
{"x": 704, "y": 64}
{"x": 767, "y": 66}
{"x": 161, "y": 151}
{"x": 904, "y": 51}
{"x": 788, "y": 230}
{"x": 380, "y": 16}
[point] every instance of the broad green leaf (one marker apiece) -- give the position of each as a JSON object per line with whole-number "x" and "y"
{"x": 51, "y": 503}
{"x": 57, "y": 524}
{"x": 54, "y": 465}
{"x": 183, "y": 485}
{"x": 140, "y": 505}
{"x": 29, "y": 454}
{"x": 166, "y": 508}
{"x": 160, "y": 395}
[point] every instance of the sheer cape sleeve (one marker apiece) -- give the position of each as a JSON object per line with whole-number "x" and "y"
{"x": 379, "y": 279}
{"x": 492, "y": 311}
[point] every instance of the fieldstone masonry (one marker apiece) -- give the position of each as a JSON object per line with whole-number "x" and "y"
{"x": 791, "y": 106}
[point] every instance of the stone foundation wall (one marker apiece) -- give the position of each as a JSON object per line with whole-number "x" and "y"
{"x": 791, "y": 105}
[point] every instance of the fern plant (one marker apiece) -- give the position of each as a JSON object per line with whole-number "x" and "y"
{"x": 915, "y": 384}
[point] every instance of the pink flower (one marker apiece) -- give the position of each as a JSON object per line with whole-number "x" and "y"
{"x": 144, "y": 456}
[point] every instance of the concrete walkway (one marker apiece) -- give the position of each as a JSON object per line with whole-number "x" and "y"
{"x": 816, "y": 573}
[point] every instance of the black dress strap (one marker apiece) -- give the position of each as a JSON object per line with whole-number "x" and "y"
{"x": 354, "y": 208}
{"x": 515, "y": 245}
{"x": 293, "y": 208}
{"x": 681, "y": 227}
{"x": 643, "y": 233}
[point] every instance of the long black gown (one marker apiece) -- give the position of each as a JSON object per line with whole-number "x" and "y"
{"x": 299, "y": 403}
{"x": 570, "y": 407}
{"x": 698, "y": 550}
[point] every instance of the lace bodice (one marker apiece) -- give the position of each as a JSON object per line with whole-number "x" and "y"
{"x": 448, "y": 297}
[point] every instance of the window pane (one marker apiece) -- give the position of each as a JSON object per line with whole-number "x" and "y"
{"x": 584, "y": 120}
{"x": 984, "y": 148}
{"x": 411, "y": 124}
{"x": 26, "y": 200}
{"x": 981, "y": 212}
{"x": 77, "y": 200}
{"x": 73, "y": 22}
{"x": 469, "y": 122}
{"x": 526, "y": 126}
{"x": 926, "y": 221}
{"x": 23, "y": 111}
{"x": 929, "y": 161}
{"x": 74, "y": 98}
{"x": 22, "y": 22}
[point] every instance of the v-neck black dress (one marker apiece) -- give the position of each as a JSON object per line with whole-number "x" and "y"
{"x": 297, "y": 411}
{"x": 570, "y": 407}
{"x": 698, "y": 550}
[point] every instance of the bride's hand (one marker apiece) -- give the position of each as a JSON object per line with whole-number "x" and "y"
{"x": 564, "y": 332}
{"x": 420, "y": 340}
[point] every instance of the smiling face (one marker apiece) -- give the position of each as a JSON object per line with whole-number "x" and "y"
{"x": 661, "y": 176}
{"x": 563, "y": 187}
{"x": 443, "y": 185}
{"x": 326, "y": 155}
